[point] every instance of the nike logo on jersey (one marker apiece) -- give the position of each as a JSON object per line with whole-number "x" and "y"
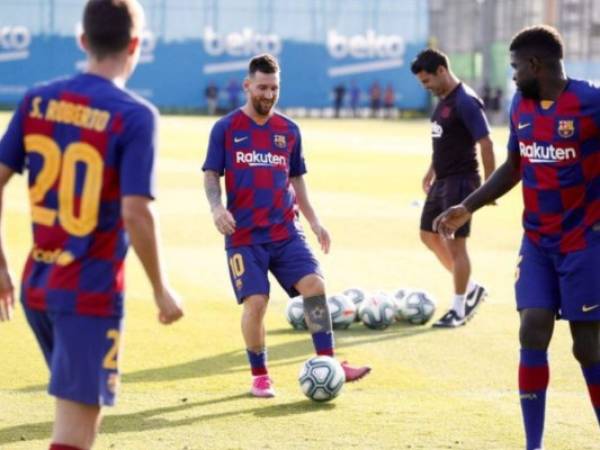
{"x": 586, "y": 308}
{"x": 237, "y": 140}
{"x": 523, "y": 125}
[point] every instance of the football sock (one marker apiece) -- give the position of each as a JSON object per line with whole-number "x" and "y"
{"x": 258, "y": 362}
{"x": 534, "y": 375}
{"x": 592, "y": 378}
{"x": 472, "y": 285}
{"x": 459, "y": 305}
{"x": 54, "y": 446}
{"x": 318, "y": 319}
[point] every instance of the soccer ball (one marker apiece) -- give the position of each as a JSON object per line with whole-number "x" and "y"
{"x": 377, "y": 311}
{"x": 399, "y": 298}
{"x": 294, "y": 313}
{"x": 417, "y": 307}
{"x": 321, "y": 378}
{"x": 357, "y": 296}
{"x": 342, "y": 311}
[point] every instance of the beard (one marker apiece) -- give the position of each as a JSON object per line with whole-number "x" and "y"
{"x": 530, "y": 89}
{"x": 263, "y": 106}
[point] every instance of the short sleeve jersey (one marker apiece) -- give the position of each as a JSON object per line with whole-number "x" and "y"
{"x": 457, "y": 123}
{"x": 85, "y": 143}
{"x": 559, "y": 150}
{"x": 258, "y": 161}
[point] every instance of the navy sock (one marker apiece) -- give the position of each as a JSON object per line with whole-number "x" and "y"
{"x": 323, "y": 342}
{"x": 534, "y": 375}
{"x": 592, "y": 378}
{"x": 258, "y": 362}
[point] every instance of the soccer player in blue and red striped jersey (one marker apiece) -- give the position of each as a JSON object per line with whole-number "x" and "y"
{"x": 260, "y": 153}
{"x": 89, "y": 148}
{"x": 554, "y": 149}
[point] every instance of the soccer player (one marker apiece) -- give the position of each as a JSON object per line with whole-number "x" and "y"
{"x": 260, "y": 153}
{"x": 554, "y": 148}
{"x": 458, "y": 124}
{"x": 89, "y": 147}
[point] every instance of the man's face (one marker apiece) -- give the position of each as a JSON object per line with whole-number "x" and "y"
{"x": 525, "y": 75}
{"x": 433, "y": 82}
{"x": 263, "y": 91}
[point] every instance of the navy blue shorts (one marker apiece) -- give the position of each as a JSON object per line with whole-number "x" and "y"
{"x": 289, "y": 261}
{"x": 82, "y": 353}
{"x": 565, "y": 283}
{"x": 445, "y": 193}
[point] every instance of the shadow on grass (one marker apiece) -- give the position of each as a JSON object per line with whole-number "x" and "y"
{"x": 282, "y": 354}
{"x": 150, "y": 419}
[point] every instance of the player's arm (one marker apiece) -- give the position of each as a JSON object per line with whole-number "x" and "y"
{"x": 7, "y": 295}
{"x": 500, "y": 182}
{"x": 137, "y": 173}
{"x": 222, "y": 218}
{"x": 428, "y": 179}
{"x": 309, "y": 213}
{"x": 141, "y": 224}
{"x": 486, "y": 147}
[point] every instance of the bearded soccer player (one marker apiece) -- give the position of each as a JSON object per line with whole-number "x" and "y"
{"x": 458, "y": 125}
{"x": 88, "y": 146}
{"x": 260, "y": 153}
{"x": 554, "y": 149}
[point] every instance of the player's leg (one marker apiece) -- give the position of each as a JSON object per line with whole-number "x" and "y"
{"x": 297, "y": 271}
{"x": 75, "y": 425}
{"x": 248, "y": 268}
{"x": 461, "y": 272}
{"x": 538, "y": 300}
{"x": 84, "y": 376}
{"x": 586, "y": 348}
{"x": 580, "y": 295}
{"x": 435, "y": 243}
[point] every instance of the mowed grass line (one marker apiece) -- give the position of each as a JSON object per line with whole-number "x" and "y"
{"x": 184, "y": 386}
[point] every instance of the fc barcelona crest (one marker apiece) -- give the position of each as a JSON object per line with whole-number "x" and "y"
{"x": 566, "y": 128}
{"x": 279, "y": 140}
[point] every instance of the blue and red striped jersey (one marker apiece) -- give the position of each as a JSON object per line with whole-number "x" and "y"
{"x": 559, "y": 151}
{"x": 258, "y": 161}
{"x": 85, "y": 143}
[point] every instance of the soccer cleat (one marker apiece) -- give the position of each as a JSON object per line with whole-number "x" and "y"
{"x": 450, "y": 320}
{"x": 473, "y": 300}
{"x": 354, "y": 373}
{"x": 262, "y": 386}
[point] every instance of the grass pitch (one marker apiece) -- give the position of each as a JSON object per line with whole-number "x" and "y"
{"x": 185, "y": 386}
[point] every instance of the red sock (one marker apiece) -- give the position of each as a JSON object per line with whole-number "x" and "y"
{"x": 55, "y": 446}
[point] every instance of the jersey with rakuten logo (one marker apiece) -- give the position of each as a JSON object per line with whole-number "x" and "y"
{"x": 559, "y": 148}
{"x": 258, "y": 161}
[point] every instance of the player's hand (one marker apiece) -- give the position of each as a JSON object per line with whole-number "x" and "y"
{"x": 169, "y": 306}
{"x": 223, "y": 220}
{"x": 7, "y": 296}
{"x": 322, "y": 236}
{"x": 451, "y": 220}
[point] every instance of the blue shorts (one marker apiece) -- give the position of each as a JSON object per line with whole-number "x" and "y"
{"x": 82, "y": 353}
{"x": 566, "y": 283}
{"x": 289, "y": 261}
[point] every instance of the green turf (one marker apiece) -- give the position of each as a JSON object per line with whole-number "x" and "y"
{"x": 184, "y": 386}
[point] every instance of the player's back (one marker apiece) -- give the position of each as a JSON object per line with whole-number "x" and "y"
{"x": 85, "y": 143}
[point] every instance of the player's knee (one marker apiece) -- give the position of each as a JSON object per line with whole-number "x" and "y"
{"x": 255, "y": 306}
{"x": 534, "y": 334}
{"x": 586, "y": 350}
{"x": 429, "y": 239}
{"x": 311, "y": 285}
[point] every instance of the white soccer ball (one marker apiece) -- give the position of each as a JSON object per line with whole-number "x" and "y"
{"x": 321, "y": 378}
{"x": 342, "y": 311}
{"x": 418, "y": 307}
{"x": 294, "y": 313}
{"x": 399, "y": 299}
{"x": 357, "y": 296}
{"x": 377, "y": 311}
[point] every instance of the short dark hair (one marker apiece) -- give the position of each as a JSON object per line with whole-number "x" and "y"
{"x": 429, "y": 60}
{"x": 542, "y": 41}
{"x": 264, "y": 63}
{"x": 109, "y": 25}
